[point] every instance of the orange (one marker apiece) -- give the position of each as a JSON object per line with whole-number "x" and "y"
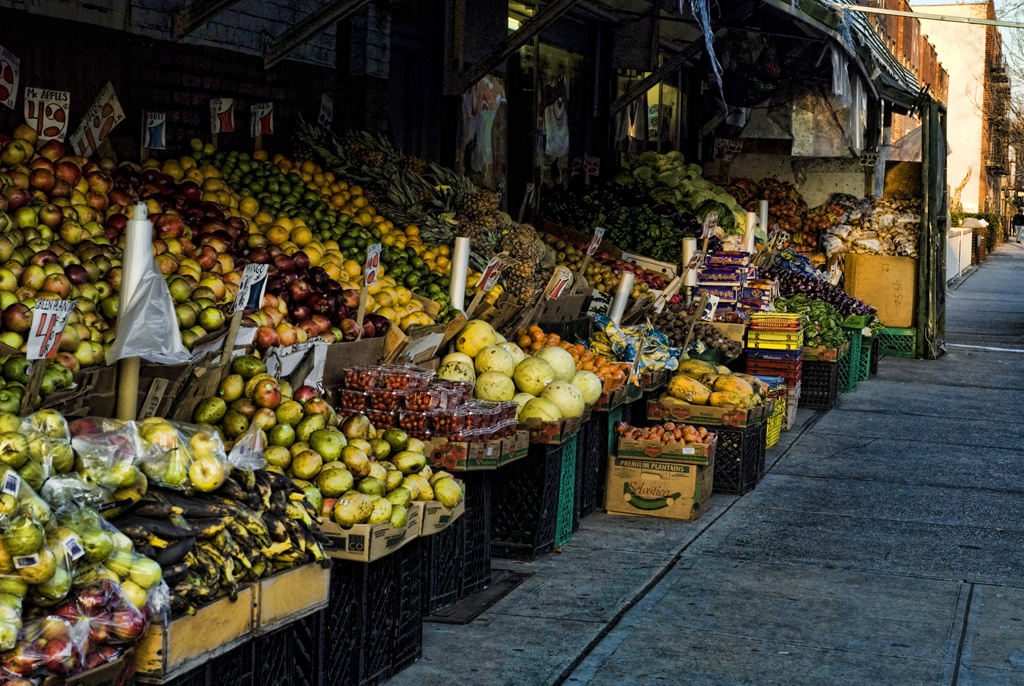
{"x": 524, "y": 341}
{"x": 277, "y": 235}
{"x": 538, "y": 336}
{"x": 301, "y": 236}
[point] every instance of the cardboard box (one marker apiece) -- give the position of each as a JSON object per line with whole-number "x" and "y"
{"x": 887, "y": 283}
{"x": 119, "y": 672}
{"x": 734, "y": 332}
{"x": 435, "y": 517}
{"x": 460, "y": 456}
{"x": 290, "y": 595}
{"x": 551, "y": 433}
{"x": 515, "y": 448}
{"x": 169, "y": 651}
{"x": 823, "y": 354}
{"x": 670, "y": 409}
{"x": 658, "y": 488}
{"x": 677, "y": 451}
{"x": 369, "y": 542}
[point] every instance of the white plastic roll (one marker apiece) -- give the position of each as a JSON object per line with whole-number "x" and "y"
{"x": 138, "y": 250}
{"x": 621, "y": 296}
{"x": 460, "y": 270}
{"x": 748, "y": 235}
{"x": 689, "y": 248}
{"x": 763, "y": 213}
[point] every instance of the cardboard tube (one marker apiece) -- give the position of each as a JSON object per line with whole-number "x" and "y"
{"x": 621, "y": 296}
{"x": 689, "y": 248}
{"x": 748, "y": 235}
{"x": 460, "y": 270}
{"x": 763, "y": 215}
{"x": 138, "y": 247}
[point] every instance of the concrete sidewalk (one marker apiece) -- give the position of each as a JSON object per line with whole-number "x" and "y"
{"x": 884, "y": 547}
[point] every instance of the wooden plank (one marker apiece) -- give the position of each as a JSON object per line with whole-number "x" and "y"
{"x": 192, "y": 15}
{"x": 316, "y": 22}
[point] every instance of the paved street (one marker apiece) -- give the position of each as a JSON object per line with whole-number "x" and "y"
{"x": 884, "y": 547}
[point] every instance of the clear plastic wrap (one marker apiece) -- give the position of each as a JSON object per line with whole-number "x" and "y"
{"x": 247, "y": 452}
{"x": 184, "y": 455}
{"x": 50, "y": 646}
{"x": 147, "y": 326}
{"x": 107, "y": 454}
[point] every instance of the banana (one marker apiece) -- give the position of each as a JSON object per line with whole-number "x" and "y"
{"x": 208, "y": 528}
{"x": 263, "y": 487}
{"x": 156, "y": 541}
{"x": 276, "y": 528}
{"x": 296, "y": 511}
{"x": 276, "y": 549}
{"x": 232, "y": 490}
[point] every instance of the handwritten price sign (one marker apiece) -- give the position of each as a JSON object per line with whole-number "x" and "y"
{"x": 710, "y": 224}
{"x": 252, "y": 287}
{"x": 372, "y": 264}
{"x": 595, "y": 241}
{"x": 563, "y": 278}
{"x": 326, "y": 116}
{"x": 99, "y": 120}
{"x": 48, "y": 321}
{"x": 261, "y": 119}
{"x": 222, "y": 115}
{"x": 10, "y": 75}
{"x": 47, "y": 112}
{"x": 491, "y": 274}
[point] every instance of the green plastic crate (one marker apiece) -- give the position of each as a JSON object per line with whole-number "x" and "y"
{"x": 864, "y": 363}
{"x": 894, "y": 342}
{"x": 711, "y": 356}
{"x": 849, "y": 366}
{"x": 566, "y": 493}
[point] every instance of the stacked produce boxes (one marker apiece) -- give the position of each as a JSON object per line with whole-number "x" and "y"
{"x": 774, "y": 347}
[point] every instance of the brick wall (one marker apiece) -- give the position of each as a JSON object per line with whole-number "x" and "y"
{"x": 161, "y": 76}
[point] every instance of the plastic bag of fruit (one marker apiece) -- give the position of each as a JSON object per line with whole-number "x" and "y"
{"x": 108, "y": 614}
{"x": 50, "y": 646}
{"x": 247, "y": 452}
{"x": 184, "y": 455}
{"x": 107, "y": 453}
{"x": 148, "y": 326}
{"x": 36, "y": 447}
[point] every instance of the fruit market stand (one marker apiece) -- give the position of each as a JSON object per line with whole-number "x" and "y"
{"x": 251, "y": 426}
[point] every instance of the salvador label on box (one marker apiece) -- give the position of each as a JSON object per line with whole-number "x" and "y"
{"x": 658, "y": 488}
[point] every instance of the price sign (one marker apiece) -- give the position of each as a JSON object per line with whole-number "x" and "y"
{"x": 222, "y": 115}
{"x": 261, "y": 119}
{"x": 696, "y": 260}
{"x": 834, "y": 274}
{"x": 491, "y": 274}
{"x": 155, "y": 134}
{"x": 562, "y": 276}
{"x": 99, "y": 120}
{"x": 708, "y": 315}
{"x": 592, "y": 165}
{"x": 595, "y": 241}
{"x": 48, "y": 321}
{"x": 10, "y": 75}
{"x": 372, "y": 264}
{"x": 600, "y": 303}
{"x": 326, "y": 116}
{"x": 252, "y": 287}
{"x": 710, "y": 224}
{"x": 47, "y": 112}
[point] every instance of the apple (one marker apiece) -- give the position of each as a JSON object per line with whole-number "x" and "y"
{"x": 266, "y": 337}
{"x": 58, "y": 284}
{"x": 206, "y": 474}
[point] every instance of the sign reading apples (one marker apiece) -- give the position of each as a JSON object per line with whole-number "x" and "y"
{"x": 222, "y": 115}
{"x": 48, "y": 321}
{"x": 99, "y": 120}
{"x": 261, "y": 119}
{"x": 595, "y": 241}
{"x": 155, "y": 134}
{"x": 252, "y": 287}
{"x": 47, "y": 112}
{"x": 372, "y": 264}
{"x": 10, "y": 75}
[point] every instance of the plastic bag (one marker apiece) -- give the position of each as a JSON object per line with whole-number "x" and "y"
{"x": 184, "y": 455}
{"x": 247, "y": 452}
{"x": 109, "y": 619}
{"x": 147, "y": 326}
{"x": 51, "y": 646}
{"x": 106, "y": 455}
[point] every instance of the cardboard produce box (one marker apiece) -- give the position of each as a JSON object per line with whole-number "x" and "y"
{"x": 435, "y": 517}
{"x": 670, "y": 409}
{"x": 887, "y": 283}
{"x": 461, "y": 456}
{"x": 677, "y": 451}
{"x": 119, "y": 672}
{"x": 552, "y": 433}
{"x": 369, "y": 542}
{"x": 515, "y": 448}
{"x": 658, "y": 488}
{"x": 289, "y": 596}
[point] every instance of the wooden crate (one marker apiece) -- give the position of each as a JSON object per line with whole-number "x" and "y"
{"x": 290, "y": 596}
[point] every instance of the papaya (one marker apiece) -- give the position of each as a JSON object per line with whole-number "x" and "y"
{"x": 730, "y": 399}
{"x": 690, "y": 390}
{"x": 723, "y": 370}
{"x": 695, "y": 368}
{"x": 760, "y": 387}
{"x": 709, "y": 379}
{"x": 733, "y": 384}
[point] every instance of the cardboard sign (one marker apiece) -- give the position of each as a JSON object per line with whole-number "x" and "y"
{"x": 696, "y": 260}
{"x": 708, "y": 315}
{"x": 98, "y": 122}
{"x": 600, "y": 303}
{"x": 710, "y": 224}
{"x": 563, "y": 277}
{"x": 595, "y": 241}
{"x": 491, "y": 274}
{"x": 252, "y": 287}
{"x": 48, "y": 321}
{"x": 261, "y": 119}
{"x": 47, "y": 112}
{"x": 10, "y": 75}
{"x": 222, "y": 115}
{"x": 726, "y": 149}
{"x": 155, "y": 134}
{"x": 326, "y": 117}
{"x": 834, "y": 274}
{"x": 372, "y": 264}
{"x": 592, "y": 165}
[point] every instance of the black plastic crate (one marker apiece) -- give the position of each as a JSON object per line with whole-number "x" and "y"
{"x": 408, "y": 637}
{"x": 819, "y": 387}
{"x": 476, "y": 531}
{"x": 876, "y": 347}
{"x": 197, "y": 677}
{"x": 442, "y": 569}
{"x": 524, "y": 510}
{"x": 577, "y": 494}
{"x": 739, "y": 457}
{"x": 342, "y": 622}
{"x": 573, "y": 331}
{"x": 379, "y": 603}
{"x": 593, "y": 453}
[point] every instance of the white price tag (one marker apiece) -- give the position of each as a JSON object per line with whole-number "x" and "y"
{"x": 12, "y": 483}
{"x": 372, "y": 264}
{"x": 252, "y": 287}
{"x": 595, "y": 241}
{"x": 10, "y": 75}
{"x": 563, "y": 278}
{"x": 710, "y": 224}
{"x": 73, "y": 547}
{"x": 708, "y": 315}
{"x": 27, "y": 561}
{"x": 222, "y": 115}
{"x": 48, "y": 321}
{"x": 834, "y": 274}
{"x": 492, "y": 272}
{"x": 99, "y": 120}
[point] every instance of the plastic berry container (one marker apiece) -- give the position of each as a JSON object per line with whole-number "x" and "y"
{"x": 362, "y": 377}
{"x": 506, "y": 429}
{"x": 447, "y": 422}
{"x": 421, "y": 434}
{"x": 477, "y": 417}
{"x": 381, "y": 419}
{"x": 400, "y": 378}
{"x": 353, "y": 400}
{"x": 383, "y": 399}
{"x": 458, "y": 391}
{"x": 413, "y": 420}
{"x": 424, "y": 399}
{"x": 507, "y": 411}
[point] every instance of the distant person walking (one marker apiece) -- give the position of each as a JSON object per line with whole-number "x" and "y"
{"x": 1018, "y": 223}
